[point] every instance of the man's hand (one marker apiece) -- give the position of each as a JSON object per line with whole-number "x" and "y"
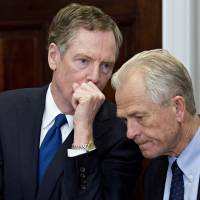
{"x": 86, "y": 100}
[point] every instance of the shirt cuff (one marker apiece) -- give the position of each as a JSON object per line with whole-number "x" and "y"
{"x": 75, "y": 152}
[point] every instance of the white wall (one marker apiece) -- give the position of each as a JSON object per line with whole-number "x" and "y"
{"x": 181, "y": 36}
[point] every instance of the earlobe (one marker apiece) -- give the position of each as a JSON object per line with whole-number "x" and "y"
{"x": 179, "y": 103}
{"x": 53, "y": 56}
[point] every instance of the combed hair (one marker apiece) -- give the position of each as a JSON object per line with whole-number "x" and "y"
{"x": 71, "y": 18}
{"x": 164, "y": 77}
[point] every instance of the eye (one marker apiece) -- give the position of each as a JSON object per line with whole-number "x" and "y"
{"x": 139, "y": 117}
{"x": 106, "y": 67}
{"x": 82, "y": 62}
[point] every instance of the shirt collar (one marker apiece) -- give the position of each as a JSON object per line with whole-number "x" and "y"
{"x": 189, "y": 157}
{"x": 51, "y": 111}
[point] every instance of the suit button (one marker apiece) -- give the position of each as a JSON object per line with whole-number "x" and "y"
{"x": 82, "y": 175}
{"x": 83, "y": 187}
{"x": 82, "y": 169}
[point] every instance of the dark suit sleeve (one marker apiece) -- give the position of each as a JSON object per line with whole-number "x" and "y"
{"x": 121, "y": 168}
{"x": 108, "y": 173}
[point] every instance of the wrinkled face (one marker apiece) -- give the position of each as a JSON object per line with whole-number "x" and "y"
{"x": 90, "y": 57}
{"x": 153, "y": 127}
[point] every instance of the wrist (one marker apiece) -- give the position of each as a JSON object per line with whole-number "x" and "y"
{"x": 83, "y": 136}
{"x": 87, "y": 146}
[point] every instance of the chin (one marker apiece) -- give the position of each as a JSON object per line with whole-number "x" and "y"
{"x": 149, "y": 154}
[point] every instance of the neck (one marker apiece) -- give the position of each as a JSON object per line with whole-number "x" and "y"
{"x": 188, "y": 129}
{"x": 64, "y": 105}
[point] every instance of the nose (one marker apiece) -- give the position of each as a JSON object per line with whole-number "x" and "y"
{"x": 133, "y": 129}
{"x": 94, "y": 74}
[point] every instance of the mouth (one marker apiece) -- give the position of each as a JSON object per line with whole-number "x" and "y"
{"x": 139, "y": 141}
{"x": 144, "y": 145}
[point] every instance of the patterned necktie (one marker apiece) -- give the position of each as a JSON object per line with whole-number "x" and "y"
{"x": 177, "y": 184}
{"x": 50, "y": 145}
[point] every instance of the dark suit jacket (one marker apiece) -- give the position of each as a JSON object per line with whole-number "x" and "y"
{"x": 154, "y": 181}
{"x": 109, "y": 172}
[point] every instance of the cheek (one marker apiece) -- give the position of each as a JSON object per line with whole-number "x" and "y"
{"x": 162, "y": 135}
{"x": 64, "y": 80}
{"x": 160, "y": 128}
{"x": 70, "y": 76}
{"x": 103, "y": 82}
{"x": 106, "y": 78}
{"x": 166, "y": 121}
{"x": 170, "y": 124}
{"x": 167, "y": 134}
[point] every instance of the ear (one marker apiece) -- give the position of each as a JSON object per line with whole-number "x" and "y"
{"x": 179, "y": 105}
{"x": 53, "y": 56}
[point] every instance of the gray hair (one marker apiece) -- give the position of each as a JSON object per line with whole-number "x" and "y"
{"x": 164, "y": 77}
{"x": 71, "y": 18}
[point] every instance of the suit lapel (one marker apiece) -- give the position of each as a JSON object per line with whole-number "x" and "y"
{"x": 54, "y": 171}
{"x": 163, "y": 166}
{"x": 104, "y": 132}
{"x": 29, "y": 113}
{"x": 198, "y": 194}
{"x": 102, "y": 122}
{"x": 155, "y": 179}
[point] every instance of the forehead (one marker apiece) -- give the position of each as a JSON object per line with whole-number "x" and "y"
{"x": 101, "y": 43}
{"x": 84, "y": 36}
{"x": 131, "y": 95}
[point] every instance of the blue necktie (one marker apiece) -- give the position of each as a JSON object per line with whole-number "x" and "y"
{"x": 177, "y": 184}
{"x": 50, "y": 145}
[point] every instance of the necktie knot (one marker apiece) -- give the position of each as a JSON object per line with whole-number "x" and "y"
{"x": 60, "y": 120}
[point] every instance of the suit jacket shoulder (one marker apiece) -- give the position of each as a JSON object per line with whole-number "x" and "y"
{"x": 20, "y": 126}
{"x": 11, "y": 97}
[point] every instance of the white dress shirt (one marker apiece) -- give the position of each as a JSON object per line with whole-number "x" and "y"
{"x": 50, "y": 112}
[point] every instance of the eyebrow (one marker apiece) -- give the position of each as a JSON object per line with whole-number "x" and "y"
{"x": 110, "y": 61}
{"x": 82, "y": 55}
{"x": 136, "y": 113}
